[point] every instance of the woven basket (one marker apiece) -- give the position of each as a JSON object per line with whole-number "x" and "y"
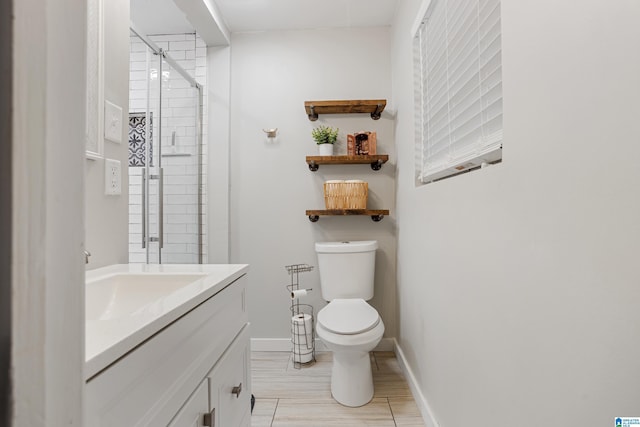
{"x": 356, "y": 193}
{"x": 345, "y": 194}
{"x": 333, "y": 194}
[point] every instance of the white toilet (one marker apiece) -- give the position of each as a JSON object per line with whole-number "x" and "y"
{"x": 348, "y": 326}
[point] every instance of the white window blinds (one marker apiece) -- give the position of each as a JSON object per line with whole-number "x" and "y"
{"x": 458, "y": 81}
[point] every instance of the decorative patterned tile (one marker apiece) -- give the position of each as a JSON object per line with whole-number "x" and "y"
{"x": 138, "y": 139}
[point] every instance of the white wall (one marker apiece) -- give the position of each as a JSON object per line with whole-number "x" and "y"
{"x": 217, "y": 185}
{"x": 106, "y": 216}
{"x": 518, "y": 284}
{"x": 273, "y": 73}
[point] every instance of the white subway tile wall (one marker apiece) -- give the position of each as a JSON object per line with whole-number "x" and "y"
{"x": 182, "y": 237}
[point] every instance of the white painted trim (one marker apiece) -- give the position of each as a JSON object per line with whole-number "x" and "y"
{"x": 386, "y": 344}
{"x": 95, "y": 80}
{"x": 28, "y": 270}
{"x": 49, "y": 98}
{"x": 420, "y": 17}
{"x": 421, "y": 400}
{"x": 93, "y": 156}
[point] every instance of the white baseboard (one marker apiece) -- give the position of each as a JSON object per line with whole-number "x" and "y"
{"x": 284, "y": 344}
{"x": 421, "y": 401}
{"x": 386, "y": 344}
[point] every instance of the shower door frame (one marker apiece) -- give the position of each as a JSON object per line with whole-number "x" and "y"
{"x": 146, "y": 176}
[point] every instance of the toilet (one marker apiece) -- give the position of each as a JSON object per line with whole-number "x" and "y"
{"x": 348, "y": 325}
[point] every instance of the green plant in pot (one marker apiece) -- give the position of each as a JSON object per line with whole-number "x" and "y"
{"x": 325, "y": 137}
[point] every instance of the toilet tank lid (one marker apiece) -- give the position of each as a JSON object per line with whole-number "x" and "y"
{"x": 346, "y": 247}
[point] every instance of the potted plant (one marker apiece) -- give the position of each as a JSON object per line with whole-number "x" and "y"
{"x": 325, "y": 137}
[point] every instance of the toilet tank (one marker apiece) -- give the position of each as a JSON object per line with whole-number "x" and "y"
{"x": 346, "y": 269}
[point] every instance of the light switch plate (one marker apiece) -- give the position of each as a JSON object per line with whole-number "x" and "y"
{"x": 112, "y": 177}
{"x": 112, "y": 122}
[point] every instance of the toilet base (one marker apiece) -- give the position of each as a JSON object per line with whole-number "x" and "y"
{"x": 351, "y": 378}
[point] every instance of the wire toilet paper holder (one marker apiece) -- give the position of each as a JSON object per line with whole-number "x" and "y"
{"x": 303, "y": 333}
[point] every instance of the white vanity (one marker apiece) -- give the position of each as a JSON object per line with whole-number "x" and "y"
{"x": 167, "y": 345}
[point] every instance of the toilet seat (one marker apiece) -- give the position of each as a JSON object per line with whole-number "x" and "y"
{"x": 348, "y": 316}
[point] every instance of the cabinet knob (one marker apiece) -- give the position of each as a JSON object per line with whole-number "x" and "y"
{"x": 237, "y": 390}
{"x": 209, "y": 419}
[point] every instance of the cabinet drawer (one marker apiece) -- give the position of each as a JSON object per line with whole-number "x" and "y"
{"x": 192, "y": 413}
{"x": 230, "y": 383}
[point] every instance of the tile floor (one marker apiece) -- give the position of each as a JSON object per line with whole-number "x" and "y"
{"x": 289, "y": 397}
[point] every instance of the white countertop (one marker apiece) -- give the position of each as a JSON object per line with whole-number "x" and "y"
{"x": 126, "y": 304}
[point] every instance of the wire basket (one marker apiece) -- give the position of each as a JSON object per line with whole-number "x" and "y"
{"x": 303, "y": 336}
{"x": 350, "y": 194}
{"x": 302, "y": 320}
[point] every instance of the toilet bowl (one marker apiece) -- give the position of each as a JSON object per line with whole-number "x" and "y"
{"x": 350, "y": 328}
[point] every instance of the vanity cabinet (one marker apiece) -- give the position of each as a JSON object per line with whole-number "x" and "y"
{"x": 223, "y": 398}
{"x": 229, "y": 385}
{"x": 194, "y": 372}
{"x": 191, "y": 414}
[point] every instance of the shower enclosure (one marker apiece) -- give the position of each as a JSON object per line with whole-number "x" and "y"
{"x": 165, "y": 158}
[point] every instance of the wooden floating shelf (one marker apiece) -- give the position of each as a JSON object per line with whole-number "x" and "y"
{"x": 375, "y": 214}
{"x": 371, "y": 106}
{"x": 376, "y": 161}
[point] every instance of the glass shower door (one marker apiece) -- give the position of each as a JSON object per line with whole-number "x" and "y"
{"x": 180, "y": 171}
{"x": 164, "y": 160}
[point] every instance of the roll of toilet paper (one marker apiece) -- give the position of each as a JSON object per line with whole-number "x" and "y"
{"x": 299, "y": 293}
{"x": 302, "y": 338}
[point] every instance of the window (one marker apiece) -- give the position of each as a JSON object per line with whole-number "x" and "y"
{"x": 458, "y": 87}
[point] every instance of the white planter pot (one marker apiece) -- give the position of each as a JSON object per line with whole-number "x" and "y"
{"x": 325, "y": 149}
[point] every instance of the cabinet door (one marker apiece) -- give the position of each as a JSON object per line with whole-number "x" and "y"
{"x": 230, "y": 382}
{"x": 193, "y": 412}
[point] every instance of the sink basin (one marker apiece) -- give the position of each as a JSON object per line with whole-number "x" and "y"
{"x": 121, "y": 295}
{"x": 126, "y": 304}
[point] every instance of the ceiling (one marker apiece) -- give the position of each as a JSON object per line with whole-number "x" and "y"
{"x": 164, "y": 17}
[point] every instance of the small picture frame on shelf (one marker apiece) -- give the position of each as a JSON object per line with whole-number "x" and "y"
{"x": 361, "y": 143}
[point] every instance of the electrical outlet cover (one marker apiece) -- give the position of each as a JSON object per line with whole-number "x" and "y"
{"x": 112, "y": 177}
{"x": 112, "y": 122}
